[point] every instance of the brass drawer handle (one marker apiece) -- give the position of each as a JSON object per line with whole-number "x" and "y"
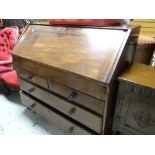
{"x": 71, "y": 129}
{"x": 72, "y": 96}
{"x": 31, "y": 89}
{"x": 72, "y": 111}
{"x": 29, "y": 77}
{"x": 123, "y": 100}
{"x": 33, "y": 105}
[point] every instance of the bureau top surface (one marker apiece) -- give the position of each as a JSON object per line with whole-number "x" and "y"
{"x": 89, "y": 52}
{"x": 139, "y": 74}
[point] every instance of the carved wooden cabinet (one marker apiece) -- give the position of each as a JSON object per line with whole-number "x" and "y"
{"x": 135, "y": 108}
{"x": 67, "y": 74}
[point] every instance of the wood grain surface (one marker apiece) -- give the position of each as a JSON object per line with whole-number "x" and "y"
{"x": 83, "y": 116}
{"x": 84, "y": 51}
{"x": 66, "y": 125}
{"x": 140, "y": 74}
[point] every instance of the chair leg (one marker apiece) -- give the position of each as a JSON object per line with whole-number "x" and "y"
{"x": 7, "y": 90}
{"x": 4, "y": 89}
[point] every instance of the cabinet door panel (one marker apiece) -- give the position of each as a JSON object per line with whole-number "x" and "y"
{"x": 141, "y": 115}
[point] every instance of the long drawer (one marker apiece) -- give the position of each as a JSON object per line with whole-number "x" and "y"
{"x": 73, "y": 95}
{"x": 67, "y": 126}
{"x": 70, "y": 94}
{"x": 83, "y": 116}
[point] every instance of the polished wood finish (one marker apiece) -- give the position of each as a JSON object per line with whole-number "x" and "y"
{"x": 70, "y": 94}
{"x": 82, "y": 84}
{"x": 94, "y": 49}
{"x": 147, "y": 26}
{"x": 135, "y": 106}
{"x": 80, "y": 66}
{"x": 73, "y": 95}
{"x": 71, "y": 110}
{"x": 65, "y": 124}
{"x": 29, "y": 76}
{"x": 89, "y": 56}
{"x": 140, "y": 74}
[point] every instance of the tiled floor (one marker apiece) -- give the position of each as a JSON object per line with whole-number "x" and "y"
{"x": 17, "y": 119}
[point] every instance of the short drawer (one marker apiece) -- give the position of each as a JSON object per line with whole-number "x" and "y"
{"x": 72, "y": 95}
{"x": 83, "y": 116}
{"x": 67, "y": 126}
{"x": 91, "y": 87}
{"x": 41, "y": 81}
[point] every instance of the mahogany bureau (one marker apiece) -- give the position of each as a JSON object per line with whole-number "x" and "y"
{"x": 67, "y": 74}
{"x": 135, "y": 108}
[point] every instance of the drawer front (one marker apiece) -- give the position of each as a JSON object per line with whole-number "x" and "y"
{"x": 32, "y": 78}
{"x": 91, "y": 87}
{"x": 67, "y": 126}
{"x": 83, "y": 116}
{"x": 86, "y": 101}
{"x": 72, "y": 95}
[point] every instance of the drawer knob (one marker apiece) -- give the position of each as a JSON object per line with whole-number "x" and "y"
{"x": 31, "y": 89}
{"x": 72, "y": 111}
{"x": 29, "y": 77}
{"x": 33, "y": 105}
{"x": 72, "y": 96}
{"x": 71, "y": 129}
{"x": 104, "y": 89}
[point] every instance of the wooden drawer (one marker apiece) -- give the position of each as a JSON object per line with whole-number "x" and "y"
{"x": 41, "y": 81}
{"x": 91, "y": 87}
{"x": 83, "y": 116}
{"x": 68, "y": 126}
{"x": 72, "y": 95}
{"x": 84, "y": 100}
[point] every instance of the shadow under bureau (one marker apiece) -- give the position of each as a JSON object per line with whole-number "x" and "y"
{"x": 67, "y": 74}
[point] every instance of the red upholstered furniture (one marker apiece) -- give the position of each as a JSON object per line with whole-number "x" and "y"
{"x": 86, "y": 22}
{"x": 8, "y": 38}
{"x": 10, "y": 78}
{"x": 21, "y": 31}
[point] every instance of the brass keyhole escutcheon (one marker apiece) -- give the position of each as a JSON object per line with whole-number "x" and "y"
{"x": 104, "y": 89}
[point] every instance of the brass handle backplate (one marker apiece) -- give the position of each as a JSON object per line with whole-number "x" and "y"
{"x": 31, "y": 89}
{"x": 71, "y": 129}
{"x": 33, "y": 105}
{"x": 72, "y": 111}
{"x": 29, "y": 77}
{"x": 72, "y": 96}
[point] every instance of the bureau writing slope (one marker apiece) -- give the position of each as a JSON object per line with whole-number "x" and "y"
{"x": 67, "y": 74}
